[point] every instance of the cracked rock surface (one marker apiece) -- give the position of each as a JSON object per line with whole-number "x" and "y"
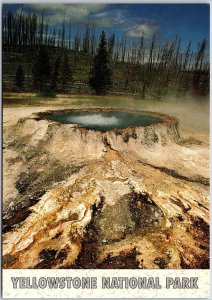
{"x": 77, "y": 198}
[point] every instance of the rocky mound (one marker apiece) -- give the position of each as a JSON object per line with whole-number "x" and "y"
{"x": 129, "y": 198}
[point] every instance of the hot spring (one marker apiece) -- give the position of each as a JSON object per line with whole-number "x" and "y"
{"x": 103, "y": 120}
{"x": 84, "y": 134}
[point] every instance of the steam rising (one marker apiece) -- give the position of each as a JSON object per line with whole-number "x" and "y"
{"x": 93, "y": 119}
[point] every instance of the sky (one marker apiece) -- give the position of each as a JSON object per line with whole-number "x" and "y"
{"x": 190, "y": 22}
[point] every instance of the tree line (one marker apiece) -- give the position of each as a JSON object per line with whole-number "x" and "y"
{"x": 49, "y": 79}
{"x": 136, "y": 66}
{"x": 30, "y": 30}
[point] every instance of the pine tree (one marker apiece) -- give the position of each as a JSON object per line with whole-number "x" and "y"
{"x": 66, "y": 73}
{"x": 19, "y": 77}
{"x": 41, "y": 73}
{"x": 55, "y": 73}
{"x": 100, "y": 79}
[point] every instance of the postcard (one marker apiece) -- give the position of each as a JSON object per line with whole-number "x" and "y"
{"x": 105, "y": 150}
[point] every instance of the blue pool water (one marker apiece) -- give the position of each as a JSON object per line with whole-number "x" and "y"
{"x": 103, "y": 121}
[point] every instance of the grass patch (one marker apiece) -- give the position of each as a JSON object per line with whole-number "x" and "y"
{"x": 11, "y": 100}
{"x": 27, "y": 99}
